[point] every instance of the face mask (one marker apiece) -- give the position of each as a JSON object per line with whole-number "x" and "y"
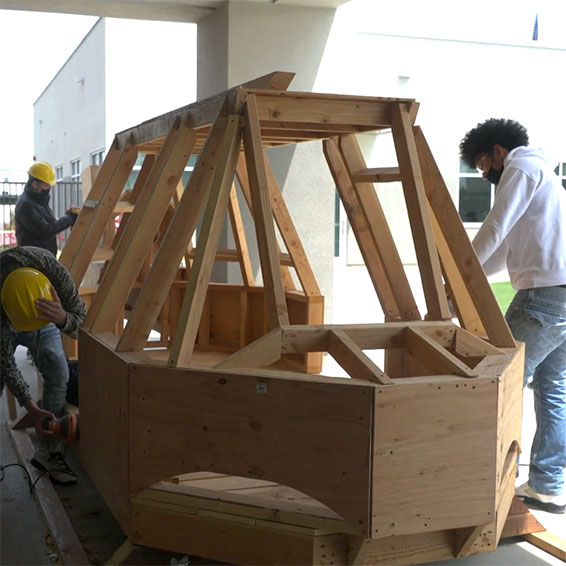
{"x": 493, "y": 175}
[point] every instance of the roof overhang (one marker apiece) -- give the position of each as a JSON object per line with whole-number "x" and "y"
{"x": 192, "y": 11}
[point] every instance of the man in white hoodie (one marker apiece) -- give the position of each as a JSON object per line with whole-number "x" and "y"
{"x": 525, "y": 231}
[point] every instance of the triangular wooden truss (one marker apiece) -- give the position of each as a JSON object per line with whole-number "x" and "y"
{"x": 383, "y": 454}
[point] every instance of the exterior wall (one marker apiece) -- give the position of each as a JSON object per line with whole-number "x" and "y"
{"x": 133, "y": 70}
{"x": 69, "y": 114}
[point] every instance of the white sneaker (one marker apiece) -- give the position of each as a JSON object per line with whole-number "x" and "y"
{"x": 549, "y": 503}
{"x": 53, "y": 462}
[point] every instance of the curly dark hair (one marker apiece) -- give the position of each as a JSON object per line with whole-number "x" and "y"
{"x": 507, "y": 133}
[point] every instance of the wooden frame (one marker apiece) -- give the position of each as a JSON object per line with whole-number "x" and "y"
{"x": 223, "y": 439}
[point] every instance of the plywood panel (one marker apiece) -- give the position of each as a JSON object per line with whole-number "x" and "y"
{"x": 313, "y": 436}
{"x": 430, "y": 440}
{"x": 103, "y": 383}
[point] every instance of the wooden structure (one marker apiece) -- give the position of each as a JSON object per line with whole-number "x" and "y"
{"x": 223, "y": 439}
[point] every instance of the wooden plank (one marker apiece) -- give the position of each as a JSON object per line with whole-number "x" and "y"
{"x": 461, "y": 249}
{"x": 461, "y": 301}
{"x": 107, "y": 189}
{"x": 285, "y": 431}
{"x": 352, "y": 358}
{"x": 243, "y": 255}
{"x": 520, "y": 520}
{"x": 548, "y": 542}
{"x": 421, "y": 227}
{"x": 189, "y": 318}
{"x": 165, "y": 265}
{"x": 232, "y": 542}
{"x": 289, "y": 234}
{"x": 469, "y": 345}
{"x": 377, "y": 175}
{"x": 263, "y": 352}
{"x": 314, "y": 337}
{"x": 244, "y": 182}
{"x": 431, "y": 354}
{"x": 263, "y": 218}
{"x": 137, "y": 240}
{"x": 361, "y": 228}
{"x": 63, "y": 535}
{"x": 367, "y": 196}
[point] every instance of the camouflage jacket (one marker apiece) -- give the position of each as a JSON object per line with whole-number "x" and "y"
{"x": 44, "y": 261}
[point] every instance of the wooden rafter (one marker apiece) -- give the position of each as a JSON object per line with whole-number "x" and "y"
{"x": 263, "y": 217}
{"x": 199, "y": 277}
{"x": 476, "y": 285}
{"x": 142, "y": 227}
{"x": 176, "y": 241}
{"x": 415, "y": 198}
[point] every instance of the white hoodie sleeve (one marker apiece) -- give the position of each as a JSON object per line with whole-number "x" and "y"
{"x": 512, "y": 199}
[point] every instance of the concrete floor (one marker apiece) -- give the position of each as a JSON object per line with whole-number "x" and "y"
{"x": 24, "y": 539}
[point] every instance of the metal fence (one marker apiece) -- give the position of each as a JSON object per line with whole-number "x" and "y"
{"x": 63, "y": 196}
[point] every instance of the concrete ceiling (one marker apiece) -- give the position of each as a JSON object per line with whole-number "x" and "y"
{"x": 169, "y": 10}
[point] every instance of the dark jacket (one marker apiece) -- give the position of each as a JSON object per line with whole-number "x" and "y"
{"x": 71, "y": 301}
{"x": 35, "y": 223}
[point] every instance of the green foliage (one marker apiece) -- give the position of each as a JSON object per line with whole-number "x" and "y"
{"x": 504, "y": 294}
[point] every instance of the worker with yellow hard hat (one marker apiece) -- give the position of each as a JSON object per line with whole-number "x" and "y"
{"x": 39, "y": 301}
{"x": 35, "y": 223}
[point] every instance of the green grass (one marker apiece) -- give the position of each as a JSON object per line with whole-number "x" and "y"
{"x": 504, "y": 293}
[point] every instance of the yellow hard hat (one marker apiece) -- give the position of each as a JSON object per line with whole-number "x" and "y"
{"x": 21, "y": 288}
{"x": 42, "y": 171}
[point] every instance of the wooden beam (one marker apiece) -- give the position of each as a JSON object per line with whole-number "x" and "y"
{"x": 290, "y": 235}
{"x": 377, "y": 175}
{"x": 379, "y": 230}
{"x": 137, "y": 240}
{"x": 244, "y": 182}
{"x": 261, "y": 353}
{"x": 175, "y": 243}
{"x": 243, "y": 255}
{"x": 89, "y": 227}
{"x": 353, "y": 359}
{"x": 415, "y": 198}
{"x": 431, "y": 354}
{"x": 461, "y": 248}
{"x": 263, "y": 217}
{"x": 361, "y": 228}
{"x": 199, "y": 277}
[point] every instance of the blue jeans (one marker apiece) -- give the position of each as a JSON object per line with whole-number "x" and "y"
{"x": 46, "y": 349}
{"x": 537, "y": 317}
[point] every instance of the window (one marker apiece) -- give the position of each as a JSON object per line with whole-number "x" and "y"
{"x": 97, "y": 157}
{"x": 76, "y": 171}
{"x": 59, "y": 173}
{"x": 475, "y": 195}
{"x": 561, "y": 172}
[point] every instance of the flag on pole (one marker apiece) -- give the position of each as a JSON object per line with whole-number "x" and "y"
{"x": 535, "y": 29}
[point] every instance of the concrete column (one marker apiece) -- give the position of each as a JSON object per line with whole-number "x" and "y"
{"x": 244, "y": 40}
